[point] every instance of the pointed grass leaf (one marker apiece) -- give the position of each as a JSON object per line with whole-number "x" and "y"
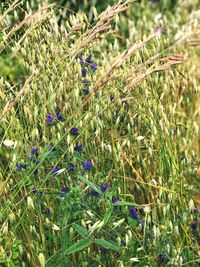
{"x": 107, "y": 215}
{"x": 60, "y": 171}
{"x": 80, "y": 229}
{"x": 125, "y": 203}
{"x": 79, "y": 245}
{"x": 88, "y": 182}
{"x": 78, "y": 156}
{"x": 49, "y": 154}
{"x": 106, "y": 244}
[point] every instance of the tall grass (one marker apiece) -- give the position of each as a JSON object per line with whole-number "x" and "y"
{"x": 100, "y": 139}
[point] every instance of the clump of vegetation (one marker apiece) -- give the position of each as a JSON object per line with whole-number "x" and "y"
{"x": 100, "y": 136}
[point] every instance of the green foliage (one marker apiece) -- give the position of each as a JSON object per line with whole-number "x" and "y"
{"x": 84, "y": 243}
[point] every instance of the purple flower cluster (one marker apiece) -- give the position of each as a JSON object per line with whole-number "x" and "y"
{"x": 49, "y": 148}
{"x": 88, "y": 65}
{"x": 133, "y": 213}
{"x": 89, "y": 59}
{"x": 59, "y": 116}
{"x": 85, "y": 81}
{"x": 95, "y": 193}
{"x": 87, "y": 164}
{"x": 112, "y": 98}
{"x": 78, "y": 147}
{"x": 194, "y": 225}
{"x": 74, "y": 131}
{"x": 195, "y": 210}
{"x": 71, "y": 167}
{"x": 34, "y": 150}
{"x": 54, "y": 170}
{"x": 20, "y": 166}
{"x": 103, "y": 187}
{"x": 85, "y": 91}
{"x": 80, "y": 58}
{"x": 94, "y": 66}
{"x": 84, "y": 71}
{"x": 64, "y": 191}
{"x": 50, "y": 118}
{"x": 115, "y": 200}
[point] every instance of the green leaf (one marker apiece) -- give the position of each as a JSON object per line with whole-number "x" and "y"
{"x": 49, "y": 154}
{"x": 81, "y": 244}
{"x": 81, "y": 230}
{"x": 88, "y": 182}
{"x": 107, "y": 215}
{"x": 78, "y": 156}
{"x": 106, "y": 244}
{"x": 132, "y": 222}
{"x": 99, "y": 175}
{"x": 125, "y": 203}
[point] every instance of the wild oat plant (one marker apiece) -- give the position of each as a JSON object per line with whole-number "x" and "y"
{"x": 99, "y": 152}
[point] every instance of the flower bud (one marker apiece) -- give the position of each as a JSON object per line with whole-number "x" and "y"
{"x": 71, "y": 232}
{"x": 30, "y": 203}
{"x": 176, "y": 230}
{"x": 11, "y": 217}
{"x": 191, "y": 205}
{"x": 5, "y": 228}
{"x": 42, "y": 260}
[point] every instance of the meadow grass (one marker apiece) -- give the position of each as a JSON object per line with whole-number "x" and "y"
{"x": 100, "y": 136}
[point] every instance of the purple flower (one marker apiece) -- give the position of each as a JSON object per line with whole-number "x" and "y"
{"x": 94, "y": 66}
{"x": 71, "y": 167}
{"x": 95, "y": 193}
{"x": 85, "y": 81}
{"x": 80, "y": 58}
{"x": 87, "y": 165}
{"x": 134, "y": 213}
{"x": 194, "y": 225}
{"x": 59, "y": 116}
{"x": 74, "y": 131}
{"x": 49, "y": 147}
{"x": 20, "y": 166}
{"x": 115, "y": 199}
{"x": 85, "y": 91}
{"x": 34, "y": 191}
{"x": 49, "y": 118}
{"x": 89, "y": 59}
{"x": 78, "y": 147}
{"x": 84, "y": 71}
{"x": 64, "y": 191}
{"x": 112, "y": 98}
{"x": 104, "y": 187}
{"x": 34, "y": 150}
{"x": 195, "y": 210}
{"x": 54, "y": 170}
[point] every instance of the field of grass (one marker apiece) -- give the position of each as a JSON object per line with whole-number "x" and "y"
{"x": 99, "y": 134}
